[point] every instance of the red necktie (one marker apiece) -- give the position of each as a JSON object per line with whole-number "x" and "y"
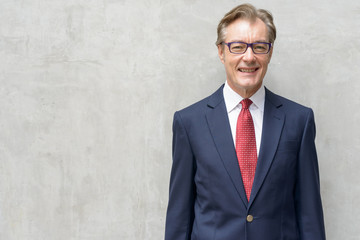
{"x": 246, "y": 146}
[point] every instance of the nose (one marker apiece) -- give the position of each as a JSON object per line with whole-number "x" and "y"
{"x": 249, "y": 55}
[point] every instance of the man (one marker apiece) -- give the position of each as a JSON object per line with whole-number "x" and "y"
{"x": 244, "y": 159}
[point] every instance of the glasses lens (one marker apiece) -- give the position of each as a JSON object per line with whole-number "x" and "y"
{"x": 238, "y": 47}
{"x": 261, "y": 47}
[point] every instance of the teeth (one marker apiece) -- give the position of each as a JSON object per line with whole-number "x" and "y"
{"x": 247, "y": 70}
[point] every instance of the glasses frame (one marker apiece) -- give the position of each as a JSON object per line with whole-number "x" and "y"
{"x": 247, "y": 46}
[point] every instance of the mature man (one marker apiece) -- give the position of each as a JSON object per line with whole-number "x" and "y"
{"x": 244, "y": 159}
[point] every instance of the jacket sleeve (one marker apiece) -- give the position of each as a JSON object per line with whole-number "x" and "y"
{"x": 180, "y": 212}
{"x": 307, "y": 191}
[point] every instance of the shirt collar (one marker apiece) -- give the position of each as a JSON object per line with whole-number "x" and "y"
{"x": 233, "y": 99}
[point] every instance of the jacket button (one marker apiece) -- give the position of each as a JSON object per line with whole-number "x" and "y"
{"x": 249, "y": 218}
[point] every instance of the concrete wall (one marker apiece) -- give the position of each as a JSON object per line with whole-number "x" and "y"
{"x": 87, "y": 93}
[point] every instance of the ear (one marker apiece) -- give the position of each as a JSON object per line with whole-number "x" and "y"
{"x": 270, "y": 53}
{"x": 221, "y": 52}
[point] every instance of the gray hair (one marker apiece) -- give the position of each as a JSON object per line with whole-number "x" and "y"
{"x": 249, "y": 12}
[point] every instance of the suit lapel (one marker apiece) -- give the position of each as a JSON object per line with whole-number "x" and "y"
{"x": 217, "y": 119}
{"x": 273, "y": 123}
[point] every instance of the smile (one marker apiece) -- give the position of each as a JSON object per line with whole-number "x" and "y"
{"x": 247, "y": 70}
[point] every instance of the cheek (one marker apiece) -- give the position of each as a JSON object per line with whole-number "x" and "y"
{"x": 265, "y": 64}
{"x": 233, "y": 62}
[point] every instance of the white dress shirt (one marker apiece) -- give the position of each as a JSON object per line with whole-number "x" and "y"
{"x": 233, "y": 107}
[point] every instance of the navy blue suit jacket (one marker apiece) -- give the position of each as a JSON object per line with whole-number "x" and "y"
{"x": 207, "y": 199}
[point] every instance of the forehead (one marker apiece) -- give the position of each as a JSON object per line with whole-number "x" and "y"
{"x": 246, "y": 30}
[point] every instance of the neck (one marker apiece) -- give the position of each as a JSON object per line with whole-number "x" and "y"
{"x": 245, "y": 92}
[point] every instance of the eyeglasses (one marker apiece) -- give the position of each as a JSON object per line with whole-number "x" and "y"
{"x": 241, "y": 47}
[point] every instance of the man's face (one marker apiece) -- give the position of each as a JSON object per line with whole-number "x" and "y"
{"x": 245, "y": 72}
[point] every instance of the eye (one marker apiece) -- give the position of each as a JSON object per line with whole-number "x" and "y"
{"x": 238, "y": 47}
{"x": 260, "y": 47}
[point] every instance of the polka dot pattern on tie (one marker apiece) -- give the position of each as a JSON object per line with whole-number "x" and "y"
{"x": 246, "y": 146}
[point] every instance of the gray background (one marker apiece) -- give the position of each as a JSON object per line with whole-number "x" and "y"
{"x": 88, "y": 90}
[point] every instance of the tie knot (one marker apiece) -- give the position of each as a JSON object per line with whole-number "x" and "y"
{"x": 245, "y": 103}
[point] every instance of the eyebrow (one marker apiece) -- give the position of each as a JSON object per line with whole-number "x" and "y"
{"x": 261, "y": 40}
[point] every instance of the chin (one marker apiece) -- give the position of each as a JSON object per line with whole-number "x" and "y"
{"x": 251, "y": 84}
{"x": 249, "y": 87}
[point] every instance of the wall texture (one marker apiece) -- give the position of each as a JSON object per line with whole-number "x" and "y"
{"x": 88, "y": 89}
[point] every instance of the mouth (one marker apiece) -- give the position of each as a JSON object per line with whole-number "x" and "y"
{"x": 248, "y": 70}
